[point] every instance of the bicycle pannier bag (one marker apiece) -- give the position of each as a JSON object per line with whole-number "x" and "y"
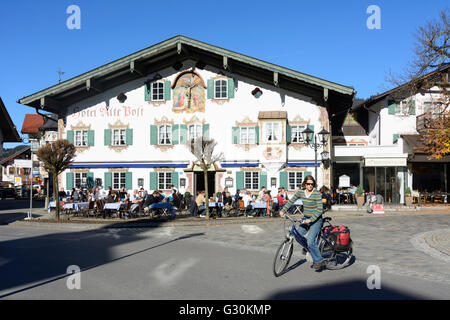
{"x": 339, "y": 236}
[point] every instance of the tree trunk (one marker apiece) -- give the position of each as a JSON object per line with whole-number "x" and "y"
{"x": 55, "y": 193}
{"x": 205, "y": 173}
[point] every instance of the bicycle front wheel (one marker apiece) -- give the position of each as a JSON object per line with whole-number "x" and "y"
{"x": 335, "y": 259}
{"x": 282, "y": 257}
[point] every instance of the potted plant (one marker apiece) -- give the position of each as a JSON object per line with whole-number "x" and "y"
{"x": 359, "y": 196}
{"x": 408, "y": 197}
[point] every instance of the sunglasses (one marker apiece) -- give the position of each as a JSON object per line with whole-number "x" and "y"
{"x": 309, "y": 184}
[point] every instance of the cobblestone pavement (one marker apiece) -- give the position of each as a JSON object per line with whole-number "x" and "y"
{"x": 416, "y": 245}
{"x": 389, "y": 242}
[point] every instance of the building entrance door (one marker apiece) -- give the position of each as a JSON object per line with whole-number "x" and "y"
{"x": 199, "y": 182}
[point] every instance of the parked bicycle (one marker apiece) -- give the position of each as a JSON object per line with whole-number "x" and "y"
{"x": 335, "y": 257}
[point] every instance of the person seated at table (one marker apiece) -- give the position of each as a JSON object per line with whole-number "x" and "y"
{"x": 262, "y": 193}
{"x": 135, "y": 199}
{"x": 112, "y": 197}
{"x": 247, "y": 203}
{"x": 352, "y": 191}
{"x": 62, "y": 194}
{"x": 201, "y": 203}
{"x": 84, "y": 196}
{"x": 267, "y": 198}
{"x": 284, "y": 194}
{"x": 75, "y": 195}
{"x": 339, "y": 194}
{"x": 281, "y": 200}
{"x": 149, "y": 200}
{"x": 123, "y": 194}
{"x": 227, "y": 201}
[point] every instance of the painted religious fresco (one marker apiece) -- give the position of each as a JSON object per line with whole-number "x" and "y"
{"x": 189, "y": 93}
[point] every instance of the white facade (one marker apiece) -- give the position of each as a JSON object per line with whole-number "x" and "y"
{"x": 138, "y": 156}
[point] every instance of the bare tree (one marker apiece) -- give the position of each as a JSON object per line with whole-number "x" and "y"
{"x": 203, "y": 150}
{"x": 56, "y": 157}
{"x": 429, "y": 69}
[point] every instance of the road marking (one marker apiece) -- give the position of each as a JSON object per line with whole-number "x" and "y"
{"x": 169, "y": 272}
{"x": 251, "y": 229}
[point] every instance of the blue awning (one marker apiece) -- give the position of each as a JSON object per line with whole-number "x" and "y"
{"x": 236, "y": 164}
{"x": 303, "y": 164}
{"x": 129, "y": 165}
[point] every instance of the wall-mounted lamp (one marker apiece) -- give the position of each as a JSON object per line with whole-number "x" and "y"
{"x": 325, "y": 159}
{"x": 177, "y": 65}
{"x": 121, "y": 97}
{"x": 257, "y": 93}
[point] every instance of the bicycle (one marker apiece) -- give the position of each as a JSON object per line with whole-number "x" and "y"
{"x": 334, "y": 259}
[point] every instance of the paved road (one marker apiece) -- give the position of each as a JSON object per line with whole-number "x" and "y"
{"x": 231, "y": 261}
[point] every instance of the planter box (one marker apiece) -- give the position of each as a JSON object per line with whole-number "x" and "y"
{"x": 408, "y": 201}
{"x": 359, "y": 201}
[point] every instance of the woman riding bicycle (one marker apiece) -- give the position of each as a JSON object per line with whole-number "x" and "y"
{"x": 312, "y": 210}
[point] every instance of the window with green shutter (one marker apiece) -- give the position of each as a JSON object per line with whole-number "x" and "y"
{"x": 392, "y": 107}
{"x": 107, "y": 137}
{"x": 153, "y": 135}
{"x": 167, "y": 90}
{"x": 91, "y": 138}
{"x": 175, "y": 133}
{"x": 129, "y": 137}
{"x": 210, "y": 89}
{"x": 70, "y": 136}
{"x": 231, "y": 88}
{"x": 148, "y": 91}
{"x": 69, "y": 180}
{"x": 205, "y": 131}
{"x": 128, "y": 180}
{"x": 395, "y": 137}
{"x": 183, "y": 133}
{"x": 175, "y": 179}
{"x": 263, "y": 180}
{"x": 90, "y": 180}
{"x": 288, "y": 133}
{"x": 240, "y": 180}
{"x": 235, "y": 135}
{"x": 283, "y": 180}
{"x": 311, "y": 126}
{"x": 153, "y": 181}
{"x": 412, "y": 107}
{"x": 108, "y": 180}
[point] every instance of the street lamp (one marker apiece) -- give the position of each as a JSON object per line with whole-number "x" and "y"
{"x": 34, "y": 148}
{"x": 308, "y": 137}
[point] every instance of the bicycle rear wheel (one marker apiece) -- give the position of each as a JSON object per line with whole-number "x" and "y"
{"x": 282, "y": 257}
{"x": 335, "y": 259}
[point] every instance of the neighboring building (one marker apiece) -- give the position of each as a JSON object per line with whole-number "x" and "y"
{"x": 16, "y": 168}
{"x": 393, "y": 158}
{"x": 43, "y": 129}
{"x": 131, "y": 119}
{"x": 8, "y": 132}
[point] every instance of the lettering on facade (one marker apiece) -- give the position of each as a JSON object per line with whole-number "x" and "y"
{"x": 103, "y": 112}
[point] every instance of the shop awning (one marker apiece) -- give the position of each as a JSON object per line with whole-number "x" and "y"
{"x": 128, "y": 165}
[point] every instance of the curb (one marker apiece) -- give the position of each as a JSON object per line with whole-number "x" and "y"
{"x": 423, "y": 241}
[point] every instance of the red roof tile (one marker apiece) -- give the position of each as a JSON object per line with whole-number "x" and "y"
{"x": 31, "y": 123}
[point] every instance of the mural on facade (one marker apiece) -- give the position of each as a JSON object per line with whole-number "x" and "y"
{"x": 273, "y": 153}
{"x": 189, "y": 93}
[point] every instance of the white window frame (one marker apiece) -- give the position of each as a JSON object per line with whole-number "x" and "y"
{"x": 80, "y": 179}
{"x": 269, "y": 129}
{"x": 197, "y": 132}
{"x": 218, "y": 90}
{"x": 121, "y": 135}
{"x": 244, "y": 135}
{"x": 157, "y": 89}
{"x": 164, "y": 180}
{"x": 253, "y": 183}
{"x": 299, "y": 129}
{"x": 81, "y": 138}
{"x": 433, "y": 106}
{"x": 120, "y": 182}
{"x": 167, "y": 131}
{"x": 297, "y": 177}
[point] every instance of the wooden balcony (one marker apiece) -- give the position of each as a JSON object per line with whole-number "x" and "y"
{"x": 423, "y": 121}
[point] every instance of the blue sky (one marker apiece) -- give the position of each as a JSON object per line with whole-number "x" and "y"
{"x": 327, "y": 39}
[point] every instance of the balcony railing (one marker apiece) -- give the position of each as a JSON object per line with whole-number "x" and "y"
{"x": 424, "y": 121}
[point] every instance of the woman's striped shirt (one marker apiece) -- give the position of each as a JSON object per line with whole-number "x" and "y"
{"x": 312, "y": 206}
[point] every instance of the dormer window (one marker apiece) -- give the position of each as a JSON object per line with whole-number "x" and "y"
{"x": 158, "y": 91}
{"x": 220, "y": 89}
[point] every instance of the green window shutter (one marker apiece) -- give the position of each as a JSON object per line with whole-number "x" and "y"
{"x": 210, "y": 89}
{"x": 91, "y": 138}
{"x": 288, "y": 134}
{"x": 257, "y": 134}
{"x": 412, "y": 107}
{"x": 129, "y": 137}
{"x": 108, "y": 180}
{"x": 262, "y": 179}
{"x": 231, "y": 88}
{"x": 69, "y": 180}
{"x": 153, "y": 134}
{"x": 183, "y": 133}
{"x": 70, "y": 135}
{"x": 175, "y": 133}
{"x": 153, "y": 181}
{"x": 239, "y": 180}
{"x": 90, "y": 180}
{"x": 167, "y": 90}
{"x": 107, "y": 137}
{"x": 395, "y": 137}
{"x": 391, "y": 107}
{"x": 205, "y": 131}
{"x": 128, "y": 180}
{"x": 311, "y": 126}
{"x": 175, "y": 179}
{"x": 283, "y": 180}
{"x": 235, "y": 135}
{"x": 148, "y": 91}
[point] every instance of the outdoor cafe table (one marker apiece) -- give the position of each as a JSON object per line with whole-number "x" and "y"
{"x": 166, "y": 206}
{"x": 113, "y": 206}
{"x": 259, "y": 206}
{"x": 216, "y": 205}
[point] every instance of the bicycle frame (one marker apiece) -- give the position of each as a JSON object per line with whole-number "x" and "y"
{"x": 302, "y": 240}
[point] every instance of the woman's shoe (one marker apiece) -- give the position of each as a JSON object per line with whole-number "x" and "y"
{"x": 319, "y": 265}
